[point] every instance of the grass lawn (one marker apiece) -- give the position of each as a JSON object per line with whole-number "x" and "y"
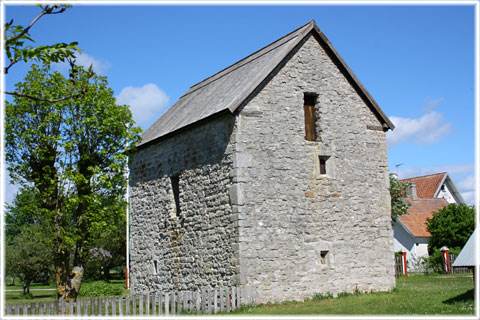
{"x": 14, "y": 297}
{"x": 415, "y": 295}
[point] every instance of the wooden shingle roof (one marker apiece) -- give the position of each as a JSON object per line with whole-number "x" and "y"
{"x": 226, "y": 90}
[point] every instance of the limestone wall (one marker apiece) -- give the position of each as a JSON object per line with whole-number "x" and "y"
{"x": 196, "y": 247}
{"x": 303, "y": 233}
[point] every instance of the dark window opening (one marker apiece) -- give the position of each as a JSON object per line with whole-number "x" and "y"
{"x": 175, "y": 181}
{"x": 323, "y": 164}
{"x": 323, "y": 257}
{"x": 309, "y": 101}
{"x": 155, "y": 267}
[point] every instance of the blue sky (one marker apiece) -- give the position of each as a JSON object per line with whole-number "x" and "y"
{"x": 416, "y": 61}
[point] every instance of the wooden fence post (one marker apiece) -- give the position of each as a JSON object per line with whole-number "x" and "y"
{"x": 234, "y": 300}
{"x": 114, "y": 307}
{"x": 85, "y": 306}
{"x": 127, "y": 306}
{"x": 166, "y": 303}
{"x": 160, "y": 305}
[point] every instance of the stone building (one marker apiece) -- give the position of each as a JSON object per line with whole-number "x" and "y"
{"x": 271, "y": 174}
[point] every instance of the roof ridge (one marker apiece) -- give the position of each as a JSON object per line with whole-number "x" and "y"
{"x": 427, "y": 175}
{"x": 239, "y": 64}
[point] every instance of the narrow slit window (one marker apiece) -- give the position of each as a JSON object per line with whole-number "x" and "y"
{"x": 175, "y": 181}
{"x": 155, "y": 267}
{"x": 309, "y": 101}
{"x": 323, "y": 164}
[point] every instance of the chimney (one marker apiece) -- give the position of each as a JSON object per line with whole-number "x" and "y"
{"x": 412, "y": 191}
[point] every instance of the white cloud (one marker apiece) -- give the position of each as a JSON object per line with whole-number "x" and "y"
{"x": 425, "y": 130}
{"x": 467, "y": 188}
{"x": 433, "y": 103}
{"x": 459, "y": 170}
{"x": 85, "y": 60}
{"x": 147, "y": 103}
{"x": 462, "y": 175}
{"x": 467, "y": 184}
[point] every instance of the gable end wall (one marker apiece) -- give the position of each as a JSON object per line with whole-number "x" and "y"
{"x": 290, "y": 213}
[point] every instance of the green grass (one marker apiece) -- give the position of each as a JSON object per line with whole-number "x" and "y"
{"x": 416, "y": 295}
{"x": 14, "y": 297}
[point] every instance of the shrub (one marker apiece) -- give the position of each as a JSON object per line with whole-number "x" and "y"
{"x": 435, "y": 260}
{"x": 26, "y": 296}
{"x": 99, "y": 289}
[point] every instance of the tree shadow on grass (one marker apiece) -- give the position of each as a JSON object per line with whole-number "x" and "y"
{"x": 464, "y": 297}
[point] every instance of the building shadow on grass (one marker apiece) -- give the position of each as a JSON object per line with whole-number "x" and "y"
{"x": 464, "y": 297}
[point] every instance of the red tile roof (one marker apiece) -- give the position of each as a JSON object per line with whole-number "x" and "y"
{"x": 420, "y": 210}
{"x": 427, "y": 185}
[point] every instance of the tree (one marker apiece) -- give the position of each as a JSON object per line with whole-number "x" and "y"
{"x": 451, "y": 226}
{"x": 17, "y": 49}
{"x": 73, "y": 152}
{"x": 30, "y": 254}
{"x": 24, "y": 210}
{"x": 397, "y": 194}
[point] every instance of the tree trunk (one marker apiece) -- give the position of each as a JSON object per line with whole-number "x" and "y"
{"x": 26, "y": 286}
{"x": 68, "y": 285}
{"x": 106, "y": 273}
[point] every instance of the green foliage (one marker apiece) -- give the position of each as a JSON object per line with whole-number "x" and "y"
{"x": 99, "y": 289}
{"x": 451, "y": 226}
{"x": 397, "y": 195}
{"x": 30, "y": 254}
{"x": 435, "y": 263}
{"x": 73, "y": 154}
{"x": 25, "y": 209}
{"x": 18, "y": 40}
{"x": 26, "y": 296}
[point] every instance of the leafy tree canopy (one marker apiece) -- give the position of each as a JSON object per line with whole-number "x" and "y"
{"x": 73, "y": 153}
{"x": 397, "y": 194}
{"x": 30, "y": 254}
{"x": 451, "y": 226}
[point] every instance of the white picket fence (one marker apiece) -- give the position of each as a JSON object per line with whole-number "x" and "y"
{"x": 204, "y": 301}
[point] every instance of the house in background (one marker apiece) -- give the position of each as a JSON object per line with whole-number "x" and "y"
{"x": 426, "y": 194}
{"x": 271, "y": 174}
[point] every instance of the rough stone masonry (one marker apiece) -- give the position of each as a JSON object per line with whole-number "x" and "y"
{"x": 242, "y": 198}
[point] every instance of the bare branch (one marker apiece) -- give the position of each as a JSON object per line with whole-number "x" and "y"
{"x": 71, "y": 96}
{"x": 10, "y": 65}
{"x": 46, "y": 10}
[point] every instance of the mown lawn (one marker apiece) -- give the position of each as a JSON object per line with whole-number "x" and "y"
{"x": 14, "y": 297}
{"x": 415, "y": 295}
